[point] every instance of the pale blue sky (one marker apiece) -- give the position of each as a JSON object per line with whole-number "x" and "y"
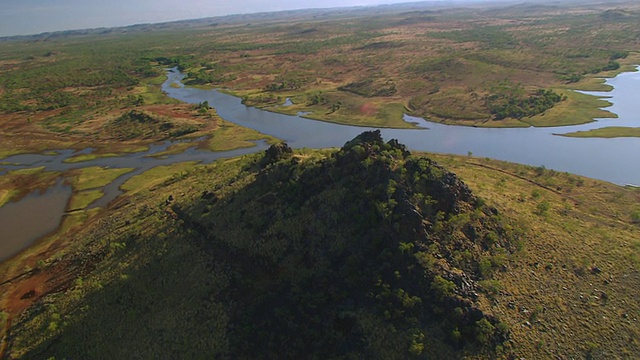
{"x": 22, "y": 17}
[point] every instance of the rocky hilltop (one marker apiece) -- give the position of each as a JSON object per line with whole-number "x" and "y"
{"x": 365, "y": 253}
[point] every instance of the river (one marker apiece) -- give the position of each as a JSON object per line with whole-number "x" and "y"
{"x": 613, "y": 160}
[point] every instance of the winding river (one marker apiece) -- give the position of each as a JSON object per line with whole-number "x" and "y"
{"x": 606, "y": 159}
{"x": 614, "y": 160}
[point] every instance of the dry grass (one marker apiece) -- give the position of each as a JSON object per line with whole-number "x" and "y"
{"x": 576, "y": 282}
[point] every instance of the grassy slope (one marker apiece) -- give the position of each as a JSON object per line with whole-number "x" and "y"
{"x": 578, "y": 243}
{"x": 581, "y": 243}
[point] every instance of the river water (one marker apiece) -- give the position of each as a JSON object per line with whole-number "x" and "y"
{"x": 17, "y": 220}
{"x": 614, "y": 160}
{"x": 40, "y": 213}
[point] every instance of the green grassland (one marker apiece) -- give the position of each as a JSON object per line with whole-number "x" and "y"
{"x": 606, "y": 132}
{"x": 159, "y": 174}
{"x": 229, "y": 136}
{"x": 89, "y": 157}
{"x": 95, "y": 177}
{"x": 87, "y": 183}
{"x": 555, "y": 262}
{"x": 84, "y": 198}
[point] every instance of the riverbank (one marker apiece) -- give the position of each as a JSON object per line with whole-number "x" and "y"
{"x": 111, "y": 131}
{"x": 575, "y": 109}
{"x": 606, "y": 132}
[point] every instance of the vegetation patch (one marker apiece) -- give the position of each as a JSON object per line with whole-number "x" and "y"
{"x": 451, "y": 104}
{"x": 121, "y": 149}
{"x": 230, "y": 136}
{"x": 367, "y": 88}
{"x": 606, "y": 132}
{"x": 577, "y": 108}
{"x": 157, "y": 175}
{"x": 88, "y": 157}
{"x": 95, "y": 177}
{"x": 83, "y": 199}
{"x": 151, "y": 93}
{"x": 5, "y": 196}
{"x": 139, "y": 125}
{"x": 515, "y": 104}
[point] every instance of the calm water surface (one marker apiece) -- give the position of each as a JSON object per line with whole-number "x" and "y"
{"x": 29, "y": 219}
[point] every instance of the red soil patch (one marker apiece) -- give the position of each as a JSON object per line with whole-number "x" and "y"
{"x": 172, "y": 111}
{"x": 368, "y": 109}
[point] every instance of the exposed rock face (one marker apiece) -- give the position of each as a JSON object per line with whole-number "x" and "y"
{"x": 277, "y": 152}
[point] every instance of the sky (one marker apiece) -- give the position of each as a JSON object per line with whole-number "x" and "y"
{"x": 25, "y": 17}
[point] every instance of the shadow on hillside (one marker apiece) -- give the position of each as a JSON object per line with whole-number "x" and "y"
{"x": 367, "y": 254}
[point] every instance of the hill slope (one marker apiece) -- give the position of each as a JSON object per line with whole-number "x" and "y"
{"x": 364, "y": 252}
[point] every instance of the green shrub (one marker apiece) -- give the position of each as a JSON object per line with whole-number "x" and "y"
{"x": 485, "y": 267}
{"x": 491, "y": 287}
{"x": 484, "y": 331}
{"x": 442, "y": 287}
{"x": 514, "y": 105}
{"x": 3, "y": 319}
{"x": 543, "y": 207}
{"x": 456, "y": 336}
